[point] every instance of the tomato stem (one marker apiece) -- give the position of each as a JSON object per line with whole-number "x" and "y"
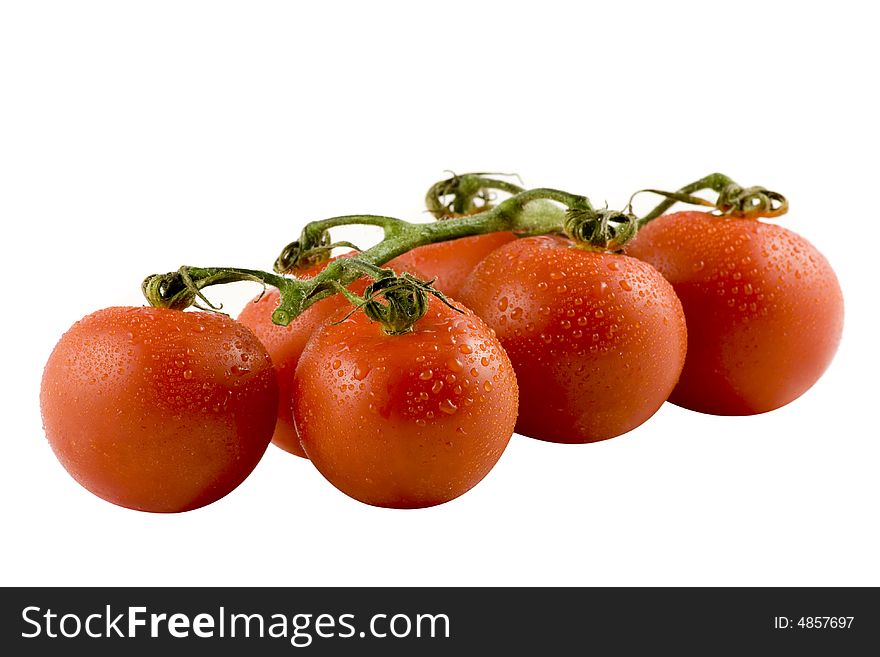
{"x": 733, "y": 199}
{"x": 526, "y": 213}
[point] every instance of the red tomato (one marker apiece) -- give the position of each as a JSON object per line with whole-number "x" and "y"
{"x": 449, "y": 262}
{"x": 285, "y": 344}
{"x": 597, "y": 339}
{"x": 763, "y": 306}
{"x": 409, "y": 420}
{"x": 156, "y": 409}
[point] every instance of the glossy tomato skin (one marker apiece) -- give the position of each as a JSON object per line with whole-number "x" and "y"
{"x": 405, "y": 421}
{"x": 285, "y": 344}
{"x": 450, "y": 263}
{"x": 597, "y": 339}
{"x": 763, "y": 306}
{"x": 158, "y": 410}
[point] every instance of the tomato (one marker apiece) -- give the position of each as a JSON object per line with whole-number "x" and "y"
{"x": 763, "y": 306}
{"x": 285, "y": 344}
{"x": 597, "y": 339}
{"x": 449, "y": 262}
{"x": 410, "y": 420}
{"x": 156, "y": 409}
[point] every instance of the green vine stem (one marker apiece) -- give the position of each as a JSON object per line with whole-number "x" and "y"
{"x": 733, "y": 199}
{"x": 526, "y": 213}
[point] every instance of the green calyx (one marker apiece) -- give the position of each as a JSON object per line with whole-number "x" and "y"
{"x": 398, "y": 302}
{"x": 738, "y": 201}
{"x": 466, "y": 194}
{"x": 312, "y": 249}
{"x": 733, "y": 199}
{"x": 601, "y": 230}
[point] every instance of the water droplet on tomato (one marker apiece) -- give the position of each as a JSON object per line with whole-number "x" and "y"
{"x": 427, "y": 374}
{"x": 447, "y": 406}
{"x": 502, "y": 304}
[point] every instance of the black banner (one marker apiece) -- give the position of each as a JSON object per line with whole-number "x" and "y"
{"x": 437, "y": 621}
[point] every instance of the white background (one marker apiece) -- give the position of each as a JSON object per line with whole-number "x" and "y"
{"x": 136, "y": 137}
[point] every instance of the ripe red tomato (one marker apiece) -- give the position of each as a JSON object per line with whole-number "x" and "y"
{"x": 405, "y": 421}
{"x": 597, "y": 339}
{"x": 763, "y": 306}
{"x": 156, "y": 409}
{"x": 449, "y": 262}
{"x": 285, "y": 344}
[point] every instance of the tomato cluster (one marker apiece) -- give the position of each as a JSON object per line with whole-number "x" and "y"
{"x": 162, "y": 410}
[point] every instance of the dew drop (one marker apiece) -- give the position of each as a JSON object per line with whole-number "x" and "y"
{"x": 427, "y": 374}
